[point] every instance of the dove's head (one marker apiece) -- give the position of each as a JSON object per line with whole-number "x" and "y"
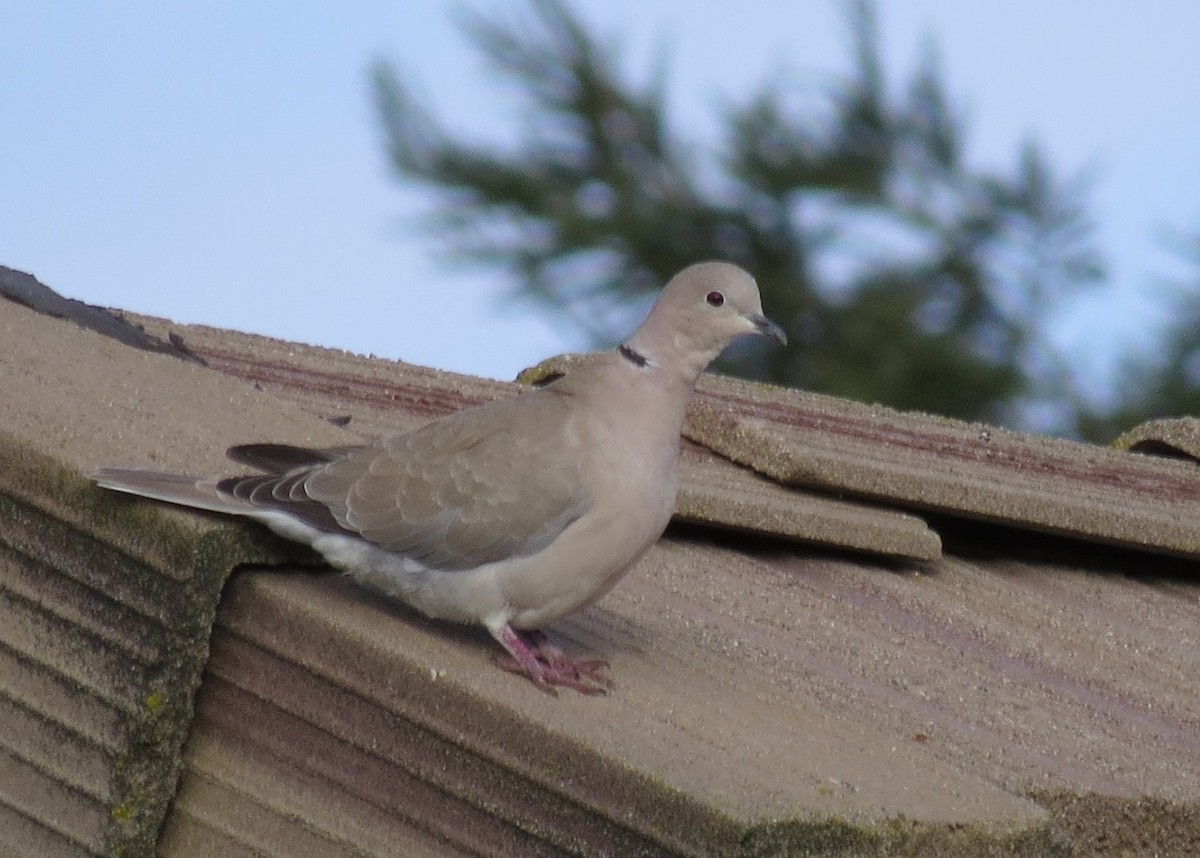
{"x": 700, "y": 311}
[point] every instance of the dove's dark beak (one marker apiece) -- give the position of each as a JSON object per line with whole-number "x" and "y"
{"x": 768, "y": 328}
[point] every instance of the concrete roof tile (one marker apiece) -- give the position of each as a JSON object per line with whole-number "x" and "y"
{"x": 366, "y": 807}
{"x": 641, "y": 771}
{"x": 1172, "y": 436}
{"x": 104, "y": 607}
{"x": 25, "y": 836}
{"x": 713, "y": 493}
{"x": 963, "y": 469}
{"x": 92, "y": 709}
{"x": 54, "y": 812}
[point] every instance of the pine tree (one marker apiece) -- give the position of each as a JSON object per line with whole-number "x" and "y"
{"x": 901, "y": 274}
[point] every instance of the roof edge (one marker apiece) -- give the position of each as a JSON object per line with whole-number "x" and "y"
{"x": 118, "y": 599}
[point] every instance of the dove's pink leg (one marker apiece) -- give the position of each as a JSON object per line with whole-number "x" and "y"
{"x": 532, "y": 654}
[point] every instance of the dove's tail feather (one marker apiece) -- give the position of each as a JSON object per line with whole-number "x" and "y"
{"x": 281, "y": 458}
{"x": 172, "y": 488}
{"x": 298, "y": 518}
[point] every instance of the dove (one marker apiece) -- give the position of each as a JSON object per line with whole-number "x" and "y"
{"x": 515, "y": 513}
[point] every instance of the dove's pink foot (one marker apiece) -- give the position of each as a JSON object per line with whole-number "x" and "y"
{"x": 546, "y": 665}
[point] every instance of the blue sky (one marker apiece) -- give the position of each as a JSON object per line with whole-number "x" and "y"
{"x": 220, "y": 163}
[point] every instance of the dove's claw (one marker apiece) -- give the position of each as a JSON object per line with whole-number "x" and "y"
{"x": 548, "y": 666}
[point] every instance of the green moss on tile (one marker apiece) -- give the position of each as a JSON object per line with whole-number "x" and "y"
{"x": 166, "y": 570}
{"x": 155, "y": 701}
{"x": 1104, "y": 826}
{"x": 897, "y": 837}
{"x": 828, "y": 837}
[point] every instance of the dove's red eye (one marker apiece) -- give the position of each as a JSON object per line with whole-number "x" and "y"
{"x": 714, "y": 299}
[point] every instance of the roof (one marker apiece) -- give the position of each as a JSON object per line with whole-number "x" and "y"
{"x": 867, "y": 632}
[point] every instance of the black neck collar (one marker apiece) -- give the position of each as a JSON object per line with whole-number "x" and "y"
{"x": 633, "y": 356}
